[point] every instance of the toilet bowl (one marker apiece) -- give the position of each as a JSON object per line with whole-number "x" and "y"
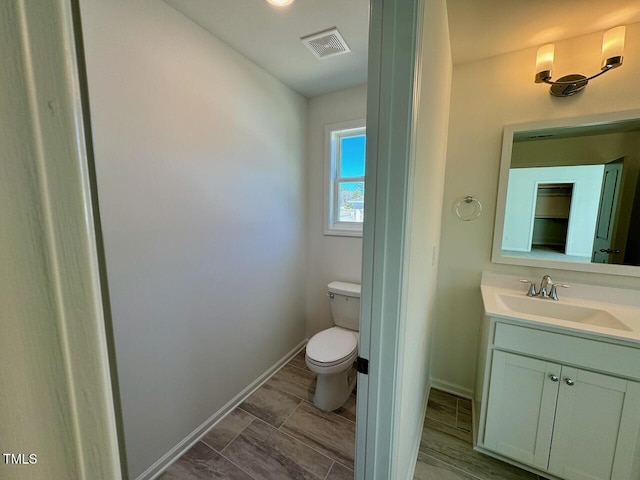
{"x": 331, "y": 353}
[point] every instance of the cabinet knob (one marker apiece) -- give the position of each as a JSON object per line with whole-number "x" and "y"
{"x": 569, "y": 382}
{"x": 554, "y": 378}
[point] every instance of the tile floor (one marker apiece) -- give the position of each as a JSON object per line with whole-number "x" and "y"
{"x": 446, "y": 451}
{"x": 278, "y": 434}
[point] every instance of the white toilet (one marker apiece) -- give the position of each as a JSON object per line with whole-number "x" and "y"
{"x": 331, "y": 353}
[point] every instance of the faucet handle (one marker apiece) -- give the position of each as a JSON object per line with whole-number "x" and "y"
{"x": 553, "y": 295}
{"x": 532, "y": 288}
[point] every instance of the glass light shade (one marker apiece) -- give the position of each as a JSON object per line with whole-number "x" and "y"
{"x": 613, "y": 47}
{"x": 280, "y": 3}
{"x": 544, "y": 61}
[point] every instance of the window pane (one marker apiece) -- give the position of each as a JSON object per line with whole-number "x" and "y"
{"x": 350, "y": 201}
{"x": 352, "y": 156}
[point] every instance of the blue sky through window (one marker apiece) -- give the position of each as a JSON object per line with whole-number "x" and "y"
{"x": 352, "y": 150}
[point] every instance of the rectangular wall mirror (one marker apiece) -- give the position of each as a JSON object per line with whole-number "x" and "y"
{"x": 569, "y": 194}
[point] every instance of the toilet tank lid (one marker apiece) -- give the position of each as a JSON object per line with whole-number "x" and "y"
{"x": 344, "y": 288}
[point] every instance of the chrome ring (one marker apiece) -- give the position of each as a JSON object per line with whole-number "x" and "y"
{"x": 466, "y": 200}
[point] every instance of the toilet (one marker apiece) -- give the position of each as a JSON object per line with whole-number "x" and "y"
{"x": 331, "y": 353}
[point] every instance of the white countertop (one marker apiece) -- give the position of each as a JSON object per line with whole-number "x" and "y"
{"x": 603, "y": 311}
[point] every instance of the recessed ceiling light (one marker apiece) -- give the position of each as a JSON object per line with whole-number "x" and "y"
{"x": 280, "y": 3}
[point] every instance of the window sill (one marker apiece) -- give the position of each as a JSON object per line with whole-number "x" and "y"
{"x": 343, "y": 232}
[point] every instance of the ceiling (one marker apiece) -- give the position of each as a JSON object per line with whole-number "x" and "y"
{"x": 270, "y": 36}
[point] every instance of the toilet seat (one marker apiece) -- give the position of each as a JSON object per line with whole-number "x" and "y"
{"x": 332, "y": 347}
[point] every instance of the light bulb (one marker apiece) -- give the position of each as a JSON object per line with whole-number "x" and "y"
{"x": 280, "y": 3}
{"x": 612, "y": 47}
{"x": 544, "y": 62}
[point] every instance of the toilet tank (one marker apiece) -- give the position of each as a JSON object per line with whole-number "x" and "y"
{"x": 345, "y": 304}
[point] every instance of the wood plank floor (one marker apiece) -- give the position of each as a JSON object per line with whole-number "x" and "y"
{"x": 278, "y": 434}
{"x": 446, "y": 449}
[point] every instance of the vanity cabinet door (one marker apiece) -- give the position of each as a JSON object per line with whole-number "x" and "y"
{"x": 596, "y": 427}
{"x": 520, "y": 409}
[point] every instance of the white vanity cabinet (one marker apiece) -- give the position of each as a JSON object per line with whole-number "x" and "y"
{"x": 567, "y": 406}
{"x": 521, "y": 408}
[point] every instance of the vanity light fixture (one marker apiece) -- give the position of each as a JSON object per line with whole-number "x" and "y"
{"x": 280, "y": 3}
{"x": 612, "y": 48}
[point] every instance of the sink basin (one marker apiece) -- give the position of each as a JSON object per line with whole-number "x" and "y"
{"x": 560, "y": 311}
{"x": 594, "y": 310}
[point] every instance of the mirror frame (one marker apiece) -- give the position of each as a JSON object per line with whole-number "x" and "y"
{"x": 503, "y": 182}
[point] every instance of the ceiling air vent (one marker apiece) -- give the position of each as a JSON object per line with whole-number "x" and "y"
{"x": 326, "y": 44}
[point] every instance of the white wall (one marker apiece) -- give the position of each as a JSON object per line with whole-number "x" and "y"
{"x": 329, "y": 257}
{"x": 486, "y": 95}
{"x": 522, "y": 195}
{"x": 428, "y": 188}
{"x": 200, "y": 160}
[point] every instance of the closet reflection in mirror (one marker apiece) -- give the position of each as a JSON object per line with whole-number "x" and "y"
{"x": 573, "y": 195}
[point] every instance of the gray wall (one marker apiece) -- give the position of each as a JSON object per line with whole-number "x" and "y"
{"x": 329, "y": 257}
{"x": 200, "y": 159}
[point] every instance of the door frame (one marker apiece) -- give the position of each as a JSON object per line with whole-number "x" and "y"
{"x": 395, "y": 59}
{"x": 67, "y": 384}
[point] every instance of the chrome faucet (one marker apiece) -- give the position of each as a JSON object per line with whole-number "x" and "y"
{"x": 546, "y": 286}
{"x": 548, "y": 289}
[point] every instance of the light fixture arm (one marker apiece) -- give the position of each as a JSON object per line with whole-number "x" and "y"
{"x": 551, "y": 82}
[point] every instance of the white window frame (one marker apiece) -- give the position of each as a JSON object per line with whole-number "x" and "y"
{"x": 332, "y": 135}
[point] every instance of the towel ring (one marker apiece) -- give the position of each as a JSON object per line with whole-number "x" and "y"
{"x": 476, "y": 213}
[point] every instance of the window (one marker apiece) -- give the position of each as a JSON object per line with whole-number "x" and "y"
{"x": 344, "y": 187}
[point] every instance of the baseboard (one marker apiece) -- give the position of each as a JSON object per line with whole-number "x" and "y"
{"x": 452, "y": 388}
{"x": 155, "y": 470}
